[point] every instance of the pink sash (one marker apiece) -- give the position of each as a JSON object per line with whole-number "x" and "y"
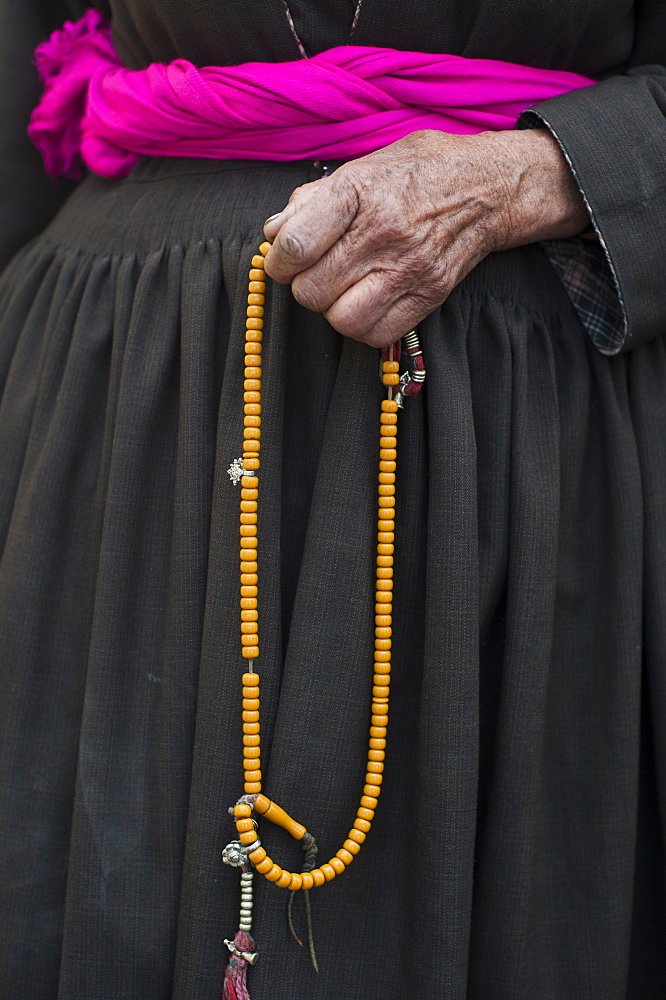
{"x": 340, "y": 104}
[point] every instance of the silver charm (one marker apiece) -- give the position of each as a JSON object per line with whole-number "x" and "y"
{"x": 236, "y": 471}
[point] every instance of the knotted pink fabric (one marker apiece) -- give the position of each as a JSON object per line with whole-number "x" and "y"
{"x": 340, "y": 104}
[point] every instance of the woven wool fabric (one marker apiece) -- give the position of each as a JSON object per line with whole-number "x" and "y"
{"x": 517, "y": 849}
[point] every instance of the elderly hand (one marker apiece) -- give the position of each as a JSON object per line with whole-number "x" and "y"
{"x": 383, "y": 241}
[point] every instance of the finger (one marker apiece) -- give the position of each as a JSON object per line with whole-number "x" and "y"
{"x": 377, "y": 312}
{"x": 312, "y": 229}
{"x": 299, "y": 196}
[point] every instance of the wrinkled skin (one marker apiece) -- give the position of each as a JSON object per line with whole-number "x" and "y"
{"x": 384, "y": 240}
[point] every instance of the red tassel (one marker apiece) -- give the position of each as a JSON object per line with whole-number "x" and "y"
{"x": 235, "y": 974}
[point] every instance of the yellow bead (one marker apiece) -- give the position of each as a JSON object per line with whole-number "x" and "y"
{"x": 375, "y": 767}
{"x": 252, "y": 384}
{"x": 318, "y": 876}
{"x": 252, "y": 787}
{"x": 250, "y": 593}
{"x": 390, "y": 379}
{"x": 382, "y": 622}
{"x": 383, "y": 631}
{"x": 337, "y": 865}
{"x": 255, "y": 300}
{"x": 351, "y": 846}
{"x": 254, "y": 372}
{"x": 363, "y": 825}
{"x": 251, "y": 727}
{"x": 382, "y": 561}
{"x": 255, "y": 311}
{"x": 256, "y": 274}
{"x": 251, "y": 741}
{"x": 252, "y": 398}
{"x": 386, "y": 491}
{"x": 252, "y": 409}
{"x": 250, "y": 483}
{"x": 250, "y": 716}
{"x": 254, "y": 323}
{"x": 383, "y": 667}
{"x": 250, "y": 495}
{"x": 296, "y": 881}
{"x": 356, "y": 835}
{"x": 387, "y": 478}
{"x": 380, "y": 691}
{"x": 373, "y": 780}
{"x": 250, "y": 652}
{"x": 250, "y": 679}
{"x": 249, "y": 580}
{"x": 390, "y": 366}
{"x": 244, "y": 825}
{"x": 385, "y": 454}
{"x": 251, "y": 464}
{"x": 384, "y": 608}
{"x": 254, "y": 420}
{"x": 385, "y": 537}
{"x": 363, "y": 813}
{"x": 250, "y": 690}
{"x": 367, "y": 790}
{"x": 378, "y": 720}
{"x": 248, "y": 568}
{"x": 258, "y": 287}
{"x": 369, "y": 802}
{"x": 388, "y": 418}
{"x": 258, "y": 261}
{"x": 274, "y": 873}
{"x": 252, "y": 358}
{"x": 384, "y": 585}
{"x": 248, "y": 518}
{"x": 255, "y": 777}
{"x": 385, "y": 466}
{"x": 248, "y": 530}
{"x": 329, "y": 872}
{"x": 249, "y": 628}
{"x": 382, "y": 656}
{"x": 257, "y": 856}
{"x": 265, "y": 247}
{"x": 247, "y": 838}
{"x": 308, "y": 880}
{"x": 284, "y": 880}
{"x": 242, "y": 809}
{"x": 389, "y": 406}
{"x": 249, "y": 544}
{"x": 383, "y": 572}
{"x": 383, "y": 644}
{"x": 345, "y": 856}
{"x": 377, "y": 745}
{"x": 251, "y": 704}
{"x": 385, "y": 442}
{"x": 265, "y": 865}
{"x": 385, "y": 525}
{"x": 248, "y": 506}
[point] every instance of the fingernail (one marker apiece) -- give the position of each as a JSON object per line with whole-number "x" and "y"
{"x": 272, "y": 217}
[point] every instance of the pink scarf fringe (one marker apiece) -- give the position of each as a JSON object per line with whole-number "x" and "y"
{"x": 340, "y": 104}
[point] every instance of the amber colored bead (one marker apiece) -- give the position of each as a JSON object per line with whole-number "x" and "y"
{"x": 254, "y": 371}
{"x": 249, "y": 628}
{"x": 383, "y": 572}
{"x": 382, "y": 667}
{"x": 251, "y": 704}
{"x": 251, "y": 740}
{"x": 383, "y": 631}
{"x": 254, "y": 323}
{"x": 386, "y": 466}
{"x": 388, "y": 418}
{"x": 265, "y": 247}
{"x": 284, "y": 880}
{"x": 248, "y": 506}
{"x": 385, "y": 515}
{"x": 253, "y": 355}
{"x": 250, "y": 690}
{"x": 253, "y": 339}
{"x": 387, "y": 478}
{"x": 256, "y": 312}
{"x": 254, "y": 420}
{"x": 252, "y": 519}
{"x": 382, "y": 656}
{"x": 385, "y": 454}
{"x": 390, "y": 366}
{"x": 250, "y": 652}
{"x": 345, "y": 856}
{"x": 329, "y": 873}
{"x": 379, "y": 720}
{"x": 373, "y": 779}
{"x": 296, "y": 881}
{"x": 388, "y": 442}
{"x": 381, "y": 678}
{"x": 255, "y": 300}
{"x": 369, "y": 802}
{"x": 248, "y": 530}
{"x": 383, "y": 644}
{"x": 384, "y": 525}
{"x": 247, "y": 838}
{"x": 252, "y": 409}
{"x": 250, "y": 639}
{"x": 251, "y": 463}
{"x": 379, "y": 691}
{"x": 248, "y": 593}
{"x": 257, "y": 856}
{"x": 252, "y": 396}
{"x": 251, "y": 448}
{"x": 385, "y": 537}
{"x": 249, "y": 544}
{"x": 388, "y": 501}
{"x": 247, "y": 567}
{"x": 250, "y": 493}
{"x": 250, "y": 716}
{"x": 383, "y": 561}
{"x": 242, "y": 809}
{"x": 252, "y": 384}
{"x": 337, "y": 865}
{"x": 256, "y": 274}
{"x": 250, "y": 679}
{"x": 244, "y": 825}
{"x": 383, "y": 621}
{"x": 250, "y": 483}
{"x": 390, "y": 379}
{"x": 377, "y": 745}
{"x": 363, "y": 825}
{"x": 384, "y": 491}
{"x": 384, "y": 608}
{"x": 274, "y": 874}
{"x": 258, "y": 260}
{"x": 251, "y": 728}
{"x": 375, "y": 767}
{"x": 389, "y": 406}
{"x": 351, "y": 846}
{"x": 265, "y": 864}
{"x": 252, "y": 428}
{"x": 356, "y": 835}
{"x": 308, "y": 880}
{"x": 366, "y": 814}
{"x": 251, "y": 754}
{"x": 384, "y": 585}
{"x": 255, "y": 777}
{"x": 252, "y": 787}
{"x": 250, "y": 581}
{"x": 368, "y": 790}
{"x": 318, "y": 876}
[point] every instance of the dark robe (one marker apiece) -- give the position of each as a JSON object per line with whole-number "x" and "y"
{"x": 517, "y": 850}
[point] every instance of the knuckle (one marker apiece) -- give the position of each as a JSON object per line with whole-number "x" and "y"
{"x": 309, "y": 293}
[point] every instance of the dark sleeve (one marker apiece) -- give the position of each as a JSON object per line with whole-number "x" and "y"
{"x": 28, "y": 198}
{"x": 614, "y": 138}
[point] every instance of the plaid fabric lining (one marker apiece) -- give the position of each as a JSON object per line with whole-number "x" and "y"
{"x": 583, "y": 269}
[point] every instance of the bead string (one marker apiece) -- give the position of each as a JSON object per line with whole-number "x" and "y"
{"x": 254, "y": 800}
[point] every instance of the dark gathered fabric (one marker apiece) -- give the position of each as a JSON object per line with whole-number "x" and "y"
{"x": 517, "y": 850}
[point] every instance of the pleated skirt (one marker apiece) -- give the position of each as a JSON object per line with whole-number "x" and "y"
{"x": 516, "y": 852}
